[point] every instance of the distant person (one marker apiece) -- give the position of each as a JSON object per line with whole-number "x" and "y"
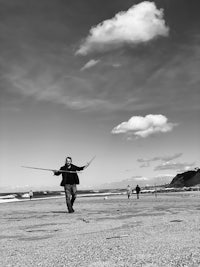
{"x": 128, "y": 191}
{"x": 30, "y": 194}
{"x": 137, "y": 189}
{"x": 69, "y": 181}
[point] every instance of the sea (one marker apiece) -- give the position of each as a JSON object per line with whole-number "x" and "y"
{"x": 42, "y": 195}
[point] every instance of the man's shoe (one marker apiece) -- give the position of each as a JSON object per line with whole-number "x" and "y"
{"x": 71, "y": 211}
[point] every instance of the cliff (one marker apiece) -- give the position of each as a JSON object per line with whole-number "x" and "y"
{"x": 187, "y": 179}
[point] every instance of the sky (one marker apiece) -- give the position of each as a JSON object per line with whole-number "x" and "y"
{"x": 116, "y": 79}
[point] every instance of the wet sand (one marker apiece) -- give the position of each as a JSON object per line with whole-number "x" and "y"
{"x": 149, "y": 232}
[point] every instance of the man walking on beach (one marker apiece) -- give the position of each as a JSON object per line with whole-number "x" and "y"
{"x": 69, "y": 181}
{"x": 137, "y": 189}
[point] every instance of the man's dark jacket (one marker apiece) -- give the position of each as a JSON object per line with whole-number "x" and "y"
{"x": 67, "y": 177}
{"x": 137, "y": 189}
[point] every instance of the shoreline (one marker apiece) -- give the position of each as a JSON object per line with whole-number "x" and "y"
{"x": 13, "y": 200}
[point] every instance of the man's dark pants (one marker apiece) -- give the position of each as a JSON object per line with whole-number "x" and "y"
{"x": 70, "y": 195}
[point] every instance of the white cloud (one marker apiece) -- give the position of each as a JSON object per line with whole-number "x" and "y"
{"x": 175, "y": 166}
{"x": 91, "y": 63}
{"x": 164, "y": 175}
{"x": 146, "y": 162}
{"x": 116, "y": 65}
{"x": 145, "y": 165}
{"x": 141, "y": 23}
{"x": 141, "y": 178}
{"x": 144, "y": 126}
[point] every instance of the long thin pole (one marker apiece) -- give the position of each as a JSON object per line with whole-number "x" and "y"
{"x": 90, "y": 161}
{"x": 43, "y": 169}
{"x": 53, "y": 170}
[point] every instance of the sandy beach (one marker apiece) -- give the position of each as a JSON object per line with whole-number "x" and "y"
{"x": 162, "y": 231}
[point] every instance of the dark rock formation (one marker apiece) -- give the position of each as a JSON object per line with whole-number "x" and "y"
{"x": 187, "y": 179}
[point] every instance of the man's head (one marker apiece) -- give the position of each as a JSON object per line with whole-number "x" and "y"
{"x": 68, "y": 161}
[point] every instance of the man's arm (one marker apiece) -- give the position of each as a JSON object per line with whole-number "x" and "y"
{"x": 81, "y": 168}
{"x": 57, "y": 173}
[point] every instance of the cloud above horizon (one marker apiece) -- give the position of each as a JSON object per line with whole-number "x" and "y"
{"x": 91, "y": 63}
{"x": 70, "y": 91}
{"x": 175, "y": 166}
{"x": 140, "y": 178}
{"x": 146, "y": 162}
{"x": 144, "y": 126}
{"x": 139, "y": 24}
